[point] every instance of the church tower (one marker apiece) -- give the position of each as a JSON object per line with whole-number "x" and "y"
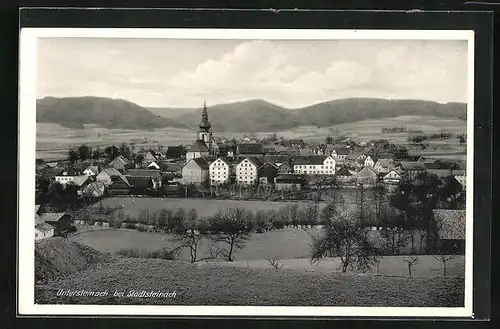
{"x": 205, "y": 134}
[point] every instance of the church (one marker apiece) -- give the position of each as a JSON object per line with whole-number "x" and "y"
{"x": 202, "y": 146}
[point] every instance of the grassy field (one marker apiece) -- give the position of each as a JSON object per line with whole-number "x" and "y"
{"x": 53, "y": 140}
{"x": 219, "y": 285}
{"x": 290, "y": 246}
{"x": 204, "y": 207}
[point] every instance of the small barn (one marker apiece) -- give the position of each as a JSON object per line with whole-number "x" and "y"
{"x": 450, "y": 225}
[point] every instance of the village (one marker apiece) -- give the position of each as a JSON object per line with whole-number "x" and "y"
{"x": 271, "y": 169}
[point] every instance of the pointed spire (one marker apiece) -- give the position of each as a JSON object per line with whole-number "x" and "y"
{"x": 204, "y": 124}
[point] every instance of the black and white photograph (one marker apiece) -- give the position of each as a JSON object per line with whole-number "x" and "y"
{"x": 241, "y": 172}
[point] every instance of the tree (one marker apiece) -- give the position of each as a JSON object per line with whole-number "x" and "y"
{"x": 230, "y": 227}
{"x": 96, "y": 154}
{"x": 329, "y": 140}
{"x": 190, "y": 233}
{"x": 410, "y": 262}
{"x": 84, "y": 152}
{"x": 112, "y": 152}
{"x": 380, "y": 199}
{"x": 73, "y": 155}
{"x": 395, "y": 233}
{"x": 462, "y": 139}
{"x": 125, "y": 150}
{"x": 332, "y": 208}
{"x": 343, "y": 237}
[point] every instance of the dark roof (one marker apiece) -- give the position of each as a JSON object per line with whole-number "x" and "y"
{"x": 250, "y": 148}
{"x": 153, "y": 173}
{"x": 342, "y": 151}
{"x": 344, "y": 171}
{"x": 141, "y": 182}
{"x": 51, "y": 172}
{"x": 413, "y": 165}
{"x": 202, "y": 163}
{"x": 373, "y": 157}
{"x": 309, "y": 160}
{"x": 171, "y": 167}
{"x": 198, "y": 146}
{"x": 432, "y": 165}
{"x": 289, "y": 179}
{"x": 276, "y": 158}
{"x": 50, "y": 217}
{"x": 39, "y": 161}
{"x": 174, "y": 151}
{"x": 267, "y": 170}
{"x": 368, "y": 169}
{"x": 451, "y": 223}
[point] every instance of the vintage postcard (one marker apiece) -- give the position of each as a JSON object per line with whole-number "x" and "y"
{"x": 212, "y": 172}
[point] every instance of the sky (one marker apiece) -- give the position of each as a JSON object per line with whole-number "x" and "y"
{"x": 289, "y": 73}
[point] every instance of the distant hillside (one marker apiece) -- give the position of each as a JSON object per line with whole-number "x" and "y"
{"x": 74, "y": 112}
{"x": 247, "y": 116}
{"x": 171, "y": 112}
{"x": 260, "y": 116}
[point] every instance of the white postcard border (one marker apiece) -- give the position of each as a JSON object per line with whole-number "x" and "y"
{"x": 27, "y": 155}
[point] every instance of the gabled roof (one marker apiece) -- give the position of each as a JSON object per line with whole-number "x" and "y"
{"x": 440, "y": 172}
{"x": 250, "y": 148}
{"x": 385, "y": 163}
{"x": 198, "y": 146}
{"x": 451, "y": 223}
{"x": 289, "y": 179}
{"x": 432, "y": 165}
{"x": 51, "y": 172}
{"x": 93, "y": 169}
{"x": 342, "y": 151}
{"x": 50, "y": 217}
{"x": 174, "y": 151}
{"x": 70, "y": 172}
{"x": 257, "y": 162}
{"x": 120, "y": 159}
{"x": 43, "y": 227}
{"x": 225, "y": 160}
{"x": 141, "y": 182}
{"x": 202, "y": 163}
{"x": 80, "y": 180}
{"x": 274, "y": 159}
{"x": 309, "y": 160}
{"x": 373, "y": 157}
{"x": 367, "y": 169}
{"x": 172, "y": 167}
{"x": 94, "y": 187}
{"x": 344, "y": 171}
{"x": 267, "y": 170}
{"x": 393, "y": 170}
{"x": 413, "y": 165}
{"x": 111, "y": 172}
{"x": 153, "y": 173}
{"x": 460, "y": 172}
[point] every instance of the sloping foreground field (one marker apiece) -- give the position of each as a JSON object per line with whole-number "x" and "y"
{"x": 212, "y": 284}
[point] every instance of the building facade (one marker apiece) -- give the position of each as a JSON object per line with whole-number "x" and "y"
{"x": 220, "y": 171}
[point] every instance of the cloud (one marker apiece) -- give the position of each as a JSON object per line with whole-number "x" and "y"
{"x": 289, "y": 73}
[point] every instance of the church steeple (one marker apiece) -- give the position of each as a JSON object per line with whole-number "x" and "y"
{"x": 204, "y": 124}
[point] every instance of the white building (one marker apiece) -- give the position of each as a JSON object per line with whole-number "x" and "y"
{"x": 314, "y": 165}
{"x": 370, "y": 161}
{"x": 220, "y": 171}
{"x": 392, "y": 177}
{"x": 340, "y": 154}
{"x": 247, "y": 171}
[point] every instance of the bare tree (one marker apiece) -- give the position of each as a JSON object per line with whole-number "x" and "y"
{"x": 441, "y": 257}
{"x": 410, "y": 262}
{"x": 275, "y": 263}
{"x": 190, "y": 233}
{"x": 344, "y": 237}
{"x": 231, "y": 227}
{"x": 395, "y": 234}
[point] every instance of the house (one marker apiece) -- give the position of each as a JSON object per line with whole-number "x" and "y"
{"x": 249, "y": 150}
{"x": 119, "y": 185}
{"x": 91, "y": 170}
{"x": 106, "y": 174}
{"x": 149, "y": 157}
{"x": 174, "y": 152}
{"x": 61, "y": 222}
{"x": 451, "y": 230}
{"x": 367, "y": 176}
{"x": 441, "y": 173}
{"x": 154, "y": 174}
{"x": 412, "y": 167}
{"x": 140, "y": 185}
{"x": 247, "y": 170}
{"x": 196, "y": 171}
{"x": 392, "y": 177}
{"x": 460, "y": 177}
{"x": 370, "y": 161}
{"x": 154, "y": 165}
{"x": 226, "y": 150}
{"x": 380, "y": 143}
{"x": 43, "y": 230}
{"x": 328, "y": 149}
{"x": 340, "y": 154}
{"x": 383, "y": 166}
{"x": 174, "y": 169}
{"x": 71, "y": 175}
{"x": 266, "y": 173}
{"x": 344, "y": 175}
{"x": 51, "y": 173}
{"x": 93, "y": 189}
{"x": 119, "y": 163}
{"x": 40, "y": 164}
{"x": 289, "y": 181}
{"x": 314, "y": 165}
{"x": 220, "y": 171}
{"x": 197, "y": 150}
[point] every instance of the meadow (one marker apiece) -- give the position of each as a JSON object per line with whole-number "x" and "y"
{"x": 53, "y": 140}
{"x": 205, "y": 207}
